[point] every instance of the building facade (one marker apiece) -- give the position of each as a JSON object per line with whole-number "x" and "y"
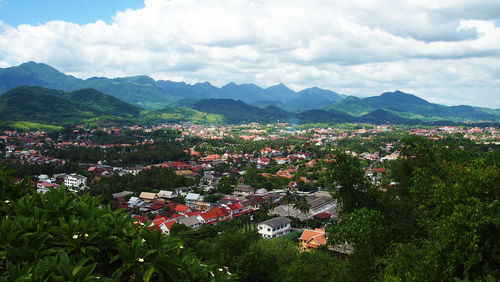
{"x": 274, "y": 227}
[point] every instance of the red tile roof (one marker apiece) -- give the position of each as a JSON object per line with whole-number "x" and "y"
{"x": 236, "y": 206}
{"x": 209, "y": 215}
{"x": 181, "y": 208}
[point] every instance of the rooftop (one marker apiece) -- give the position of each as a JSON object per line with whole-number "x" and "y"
{"x": 277, "y": 221}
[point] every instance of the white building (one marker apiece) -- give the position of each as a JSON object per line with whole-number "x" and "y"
{"x": 76, "y": 181}
{"x": 274, "y": 227}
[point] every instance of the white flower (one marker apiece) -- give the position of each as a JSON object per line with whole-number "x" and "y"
{"x": 228, "y": 273}
{"x": 75, "y": 237}
{"x": 86, "y": 235}
{"x": 140, "y": 260}
{"x": 143, "y": 240}
{"x": 220, "y": 269}
{"x": 211, "y": 273}
{"x": 181, "y": 247}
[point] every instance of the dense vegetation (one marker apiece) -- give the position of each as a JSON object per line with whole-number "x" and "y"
{"x": 440, "y": 222}
{"x": 60, "y": 236}
{"x": 54, "y": 107}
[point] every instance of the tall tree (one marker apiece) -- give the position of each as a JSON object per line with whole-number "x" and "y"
{"x": 288, "y": 200}
{"x": 303, "y": 206}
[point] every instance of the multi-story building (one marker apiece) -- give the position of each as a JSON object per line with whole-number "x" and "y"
{"x": 75, "y": 181}
{"x": 274, "y": 227}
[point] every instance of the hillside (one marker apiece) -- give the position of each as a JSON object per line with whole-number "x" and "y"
{"x": 42, "y": 106}
{"x": 33, "y": 74}
{"x": 140, "y": 90}
{"x": 239, "y": 111}
{"x": 313, "y": 98}
{"x": 408, "y": 105}
{"x": 350, "y": 105}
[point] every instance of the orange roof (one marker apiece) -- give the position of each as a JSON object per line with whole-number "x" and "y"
{"x": 317, "y": 235}
{"x": 209, "y": 215}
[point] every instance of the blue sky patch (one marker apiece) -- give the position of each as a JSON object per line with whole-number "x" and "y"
{"x": 34, "y": 12}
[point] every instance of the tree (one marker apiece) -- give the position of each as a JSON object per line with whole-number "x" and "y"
{"x": 289, "y": 199}
{"x": 303, "y": 206}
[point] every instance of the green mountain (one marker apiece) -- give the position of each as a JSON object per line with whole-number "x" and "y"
{"x": 138, "y": 90}
{"x": 268, "y": 103}
{"x": 350, "y": 105}
{"x": 313, "y": 98}
{"x": 238, "y": 111}
{"x": 181, "y": 115}
{"x": 145, "y": 92}
{"x": 320, "y": 116}
{"x": 33, "y": 74}
{"x": 26, "y": 106}
{"x": 411, "y": 106}
{"x": 380, "y": 116}
{"x": 272, "y": 103}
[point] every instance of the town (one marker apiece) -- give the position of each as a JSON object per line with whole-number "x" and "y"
{"x": 272, "y": 172}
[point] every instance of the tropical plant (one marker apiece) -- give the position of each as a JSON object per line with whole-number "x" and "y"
{"x": 60, "y": 235}
{"x": 303, "y": 206}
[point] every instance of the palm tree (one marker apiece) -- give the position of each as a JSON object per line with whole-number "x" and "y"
{"x": 288, "y": 199}
{"x": 303, "y": 206}
{"x": 268, "y": 205}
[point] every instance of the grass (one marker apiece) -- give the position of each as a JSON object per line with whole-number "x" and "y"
{"x": 292, "y": 236}
{"x": 27, "y": 125}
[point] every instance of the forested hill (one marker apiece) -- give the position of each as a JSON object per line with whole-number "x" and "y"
{"x": 238, "y": 111}
{"x": 41, "y": 107}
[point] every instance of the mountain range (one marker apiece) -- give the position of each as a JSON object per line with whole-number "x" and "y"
{"x": 148, "y": 93}
{"x": 37, "y": 95}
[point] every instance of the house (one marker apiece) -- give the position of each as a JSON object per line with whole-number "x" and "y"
{"x": 168, "y": 194}
{"x": 274, "y": 227}
{"x": 191, "y": 221}
{"x": 76, "y": 181}
{"x": 312, "y": 239}
{"x": 132, "y": 170}
{"x": 222, "y": 213}
{"x": 182, "y": 209}
{"x": 163, "y": 224}
{"x": 235, "y": 208}
{"x": 148, "y": 197}
{"x": 121, "y": 194}
{"x": 208, "y": 217}
{"x": 253, "y": 203}
{"x": 243, "y": 190}
{"x": 192, "y": 199}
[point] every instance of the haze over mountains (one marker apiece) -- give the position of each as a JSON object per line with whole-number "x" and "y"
{"x": 148, "y": 93}
{"x": 55, "y": 98}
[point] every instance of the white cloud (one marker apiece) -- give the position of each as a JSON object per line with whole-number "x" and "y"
{"x": 444, "y": 51}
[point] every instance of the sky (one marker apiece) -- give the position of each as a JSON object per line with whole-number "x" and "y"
{"x": 445, "y": 51}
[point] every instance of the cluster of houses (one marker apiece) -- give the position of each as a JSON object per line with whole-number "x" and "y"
{"x": 194, "y": 213}
{"x": 73, "y": 181}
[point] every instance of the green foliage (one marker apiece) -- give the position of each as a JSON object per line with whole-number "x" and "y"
{"x": 349, "y": 184}
{"x": 60, "y": 236}
{"x": 438, "y": 223}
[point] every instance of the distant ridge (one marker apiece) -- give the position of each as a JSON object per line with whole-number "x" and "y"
{"x": 236, "y": 102}
{"x": 145, "y": 92}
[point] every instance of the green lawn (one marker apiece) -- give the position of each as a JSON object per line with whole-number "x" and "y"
{"x": 292, "y": 236}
